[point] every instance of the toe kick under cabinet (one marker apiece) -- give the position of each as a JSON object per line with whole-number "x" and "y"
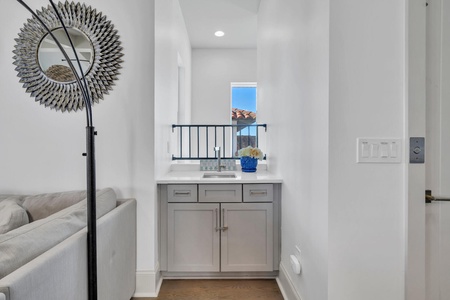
{"x": 217, "y": 229}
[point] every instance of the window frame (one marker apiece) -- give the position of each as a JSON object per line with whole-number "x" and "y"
{"x": 234, "y": 136}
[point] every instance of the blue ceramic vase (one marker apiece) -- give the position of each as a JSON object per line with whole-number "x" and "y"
{"x": 249, "y": 164}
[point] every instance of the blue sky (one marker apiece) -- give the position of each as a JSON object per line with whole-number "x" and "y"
{"x": 244, "y": 98}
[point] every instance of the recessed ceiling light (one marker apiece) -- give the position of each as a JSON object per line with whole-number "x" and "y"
{"x": 219, "y": 33}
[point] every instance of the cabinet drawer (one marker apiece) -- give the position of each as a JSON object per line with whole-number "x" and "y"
{"x": 220, "y": 193}
{"x": 258, "y": 192}
{"x": 182, "y": 193}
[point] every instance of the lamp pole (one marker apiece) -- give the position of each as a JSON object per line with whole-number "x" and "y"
{"x": 91, "y": 213}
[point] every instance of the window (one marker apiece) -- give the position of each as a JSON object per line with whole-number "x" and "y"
{"x": 243, "y": 114}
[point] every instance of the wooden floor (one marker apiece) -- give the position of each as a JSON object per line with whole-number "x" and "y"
{"x": 218, "y": 289}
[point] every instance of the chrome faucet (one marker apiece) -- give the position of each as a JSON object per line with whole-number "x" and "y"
{"x": 219, "y": 165}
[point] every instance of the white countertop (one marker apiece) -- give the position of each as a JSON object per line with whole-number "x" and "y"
{"x": 189, "y": 176}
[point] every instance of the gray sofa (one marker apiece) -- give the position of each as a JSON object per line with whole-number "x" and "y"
{"x": 43, "y": 246}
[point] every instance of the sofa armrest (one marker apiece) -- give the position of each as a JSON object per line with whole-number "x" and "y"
{"x": 116, "y": 241}
{"x": 61, "y": 272}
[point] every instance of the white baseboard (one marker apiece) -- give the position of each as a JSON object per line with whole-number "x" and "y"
{"x": 286, "y": 286}
{"x": 148, "y": 283}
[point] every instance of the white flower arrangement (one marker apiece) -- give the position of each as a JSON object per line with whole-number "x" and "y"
{"x": 252, "y": 152}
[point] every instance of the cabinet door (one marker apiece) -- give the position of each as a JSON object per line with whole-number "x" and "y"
{"x": 247, "y": 239}
{"x": 193, "y": 242}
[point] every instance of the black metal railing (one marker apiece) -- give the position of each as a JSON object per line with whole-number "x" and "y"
{"x": 198, "y": 141}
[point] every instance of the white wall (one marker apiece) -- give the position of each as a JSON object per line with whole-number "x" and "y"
{"x": 293, "y": 42}
{"x": 41, "y": 149}
{"x": 212, "y": 72}
{"x": 335, "y": 71}
{"x": 367, "y": 99}
{"x": 415, "y": 122}
{"x": 172, "y": 50}
{"x": 171, "y": 42}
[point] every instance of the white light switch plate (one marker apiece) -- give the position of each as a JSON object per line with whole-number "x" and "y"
{"x": 371, "y": 150}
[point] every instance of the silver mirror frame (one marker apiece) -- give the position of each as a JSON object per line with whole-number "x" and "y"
{"x": 103, "y": 72}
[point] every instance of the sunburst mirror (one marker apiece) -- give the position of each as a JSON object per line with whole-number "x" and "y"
{"x": 42, "y": 68}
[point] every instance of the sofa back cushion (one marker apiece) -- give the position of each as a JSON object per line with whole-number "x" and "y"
{"x": 12, "y": 214}
{"x": 19, "y": 246}
{"x": 43, "y": 205}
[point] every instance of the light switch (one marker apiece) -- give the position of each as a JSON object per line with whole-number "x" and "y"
{"x": 365, "y": 150}
{"x": 394, "y": 150}
{"x": 384, "y": 149}
{"x": 374, "y": 150}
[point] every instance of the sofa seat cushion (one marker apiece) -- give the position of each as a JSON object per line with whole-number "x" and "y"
{"x": 19, "y": 246}
{"x": 43, "y": 205}
{"x": 12, "y": 214}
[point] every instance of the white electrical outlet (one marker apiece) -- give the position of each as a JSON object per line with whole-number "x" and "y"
{"x": 295, "y": 265}
{"x": 295, "y": 261}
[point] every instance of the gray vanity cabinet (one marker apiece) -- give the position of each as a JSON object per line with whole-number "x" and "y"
{"x": 223, "y": 230}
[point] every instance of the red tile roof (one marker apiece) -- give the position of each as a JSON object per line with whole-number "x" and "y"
{"x": 241, "y": 114}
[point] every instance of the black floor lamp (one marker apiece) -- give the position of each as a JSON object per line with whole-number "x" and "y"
{"x": 85, "y": 90}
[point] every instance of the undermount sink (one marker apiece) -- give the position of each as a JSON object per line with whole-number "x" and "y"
{"x": 219, "y": 175}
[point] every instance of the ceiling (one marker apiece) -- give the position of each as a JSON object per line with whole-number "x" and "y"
{"x": 237, "y": 18}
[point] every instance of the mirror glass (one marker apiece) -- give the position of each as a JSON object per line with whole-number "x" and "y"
{"x": 52, "y": 61}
